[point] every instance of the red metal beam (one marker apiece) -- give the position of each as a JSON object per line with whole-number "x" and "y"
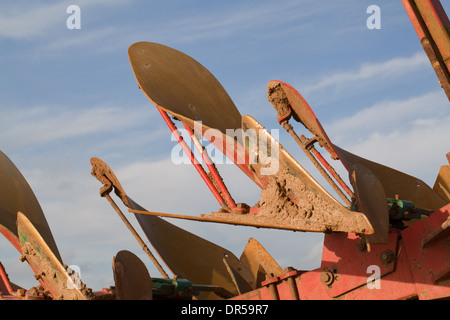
{"x": 415, "y": 263}
{"x": 214, "y": 172}
{"x": 433, "y": 28}
{"x": 5, "y": 279}
{"x": 191, "y": 156}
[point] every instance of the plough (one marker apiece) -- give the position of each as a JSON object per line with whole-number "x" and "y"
{"x": 388, "y": 237}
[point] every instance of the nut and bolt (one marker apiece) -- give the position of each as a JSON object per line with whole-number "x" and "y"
{"x": 327, "y": 277}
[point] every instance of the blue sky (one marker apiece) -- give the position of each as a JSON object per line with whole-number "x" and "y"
{"x": 69, "y": 95}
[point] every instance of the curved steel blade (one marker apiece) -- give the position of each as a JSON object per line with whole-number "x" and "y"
{"x": 442, "y": 183}
{"x": 131, "y": 277}
{"x": 259, "y": 261}
{"x": 371, "y": 200}
{"x": 16, "y": 195}
{"x": 395, "y": 182}
{"x": 292, "y": 197}
{"x": 181, "y": 86}
{"x": 48, "y": 269}
{"x": 290, "y": 99}
{"x": 187, "y": 255}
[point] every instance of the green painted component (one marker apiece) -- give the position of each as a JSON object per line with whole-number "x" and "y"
{"x": 404, "y": 210}
{"x": 23, "y": 238}
{"x": 173, "y": 289}
{"x": 180, "y": 289}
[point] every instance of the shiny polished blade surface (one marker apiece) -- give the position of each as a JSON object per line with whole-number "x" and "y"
{"x": 131, "y": 277}
{"x": 258, "y": 260}
{"x": 395, "y": 182}
{"x": 49, "y": 270}
{"x": 16, "y": 195}
{"x": 187, "y": 255}
{"x": 181, "y": 86}
{"x": 442, "y": 183}
{"x": 371, "y": 200}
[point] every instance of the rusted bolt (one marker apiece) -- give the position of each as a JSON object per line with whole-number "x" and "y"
{"x": 327, "y": 277}
{"x": 387, "y": 257}
{"x": 361, "y": 245}
{"x": 39, "y": 275}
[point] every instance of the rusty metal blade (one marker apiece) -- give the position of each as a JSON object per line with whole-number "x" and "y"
{"x": 371, "y": 200}
{"x": 181, "y": 86}
{"x": 291, "y": 199}
{"x": 299, "y": 199}
{"x": 288, "y": 101}
{"x": 47, "y": 266}
{"x": 131, "y": 277}
{"x": 442, "y": 183}
{"x": 432, "y": 26}
{"x": 187, "y": 255}
{"x": 16, "y": 195}
{"x": 395, "y": 182}
{"x": 241, "y": 276}
{"x": 259, "y": 261}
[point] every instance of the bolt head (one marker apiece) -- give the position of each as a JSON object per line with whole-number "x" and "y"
{"x": 327, "y": 277}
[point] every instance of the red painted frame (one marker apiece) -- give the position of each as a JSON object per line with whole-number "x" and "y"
{"x": 410, "y": 268}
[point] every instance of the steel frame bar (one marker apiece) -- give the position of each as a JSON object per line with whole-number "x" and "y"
{"x": 330, "y": 169}
{"x": 136, "y": 236}
{"x": 213, "y": 170}
{"x": 310, "y": 151}
{"x": 191, "y": 156}
{"x": 408, "y": 269}
{"x": 433, "y": 29}
{"x": 5, "y": 279}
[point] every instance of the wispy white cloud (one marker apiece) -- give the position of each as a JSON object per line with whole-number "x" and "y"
{"x": 370, "y": 71}
{"x": 247, "y": 17}
{"x": 31, "y": 20}
{"x": 100, "y": 36}
{"x": 409, "y": 135}
{"x": 40, "y": 124}
{"x": 24, "y": 20}
{"x": 405, "y": 134}
{"x": 392, "y": 115}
